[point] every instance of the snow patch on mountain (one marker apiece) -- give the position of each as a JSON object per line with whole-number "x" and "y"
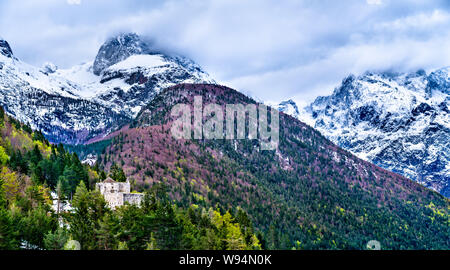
{"x": 88, "y": 85}
{"x": 139, "y": 61}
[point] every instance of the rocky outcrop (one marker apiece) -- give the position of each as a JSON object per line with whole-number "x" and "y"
{"x": 117, "y": 49}
{"x": 5, "y": 49}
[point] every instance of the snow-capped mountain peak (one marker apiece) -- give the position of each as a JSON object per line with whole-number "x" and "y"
{"x": 130, "y": 74}
{"x": 73, "y": 105}
{"x": 399, "y": 121}
{"x": 288, "y": 107}
{"x": 117, "y": 49}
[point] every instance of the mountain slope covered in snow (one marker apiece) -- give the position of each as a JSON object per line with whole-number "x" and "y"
{"x": 91, "y": 99}
{"x": 397, "y": 121}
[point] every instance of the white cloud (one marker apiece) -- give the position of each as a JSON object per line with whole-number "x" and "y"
{"x": 74, "y": 2}
{"x": 273, "y": 50}
{"x": 414, "y": 22}
{"x": 374, "y": 2}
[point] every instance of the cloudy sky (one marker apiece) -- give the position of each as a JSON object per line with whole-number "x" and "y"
{"x": 272, "y": 50}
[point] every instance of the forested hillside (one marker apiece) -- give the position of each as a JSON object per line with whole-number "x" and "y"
{"x": 31, "y": 169}
{"x": 308, "y": 194}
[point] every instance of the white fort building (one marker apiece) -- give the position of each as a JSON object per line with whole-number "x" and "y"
{"x": 118, "y": 193}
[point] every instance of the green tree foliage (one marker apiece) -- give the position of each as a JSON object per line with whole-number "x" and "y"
{"x": 4, "y": 158}
{"x": 27, "y": 220}
{"x": 26, "y": 224}
{"x": 117, "y": 173}
{"x": 2, "y": 116}
{"x": 3, "y": 201}
{"x": 107, "y": 232}
{"x": 8, "y": 233}
{"x": 89, "y": 209}
{"x": 37, "y": 135}
{"x": 36, "y": 224}
{"x": 158, "y": 224}
{"x": 55, "y": 240}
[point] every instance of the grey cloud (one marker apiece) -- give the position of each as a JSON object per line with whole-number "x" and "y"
{"x": 270, "y": 49}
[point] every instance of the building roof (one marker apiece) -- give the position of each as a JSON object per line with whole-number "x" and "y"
{"x": 109, "y": 180}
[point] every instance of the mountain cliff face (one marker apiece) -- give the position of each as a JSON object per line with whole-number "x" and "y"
{"x": 398, "y": 121}
{"x": 91, "y": 99}
{"x": 5, "y": 49}
{"x": 117, "y": 49}
{"x": 307, "y": 193}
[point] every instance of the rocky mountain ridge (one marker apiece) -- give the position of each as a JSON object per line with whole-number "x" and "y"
{"x": 92, "y": 99}
{"x": 398, "y": 121}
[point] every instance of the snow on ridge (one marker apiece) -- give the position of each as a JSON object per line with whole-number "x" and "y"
{"x": 16, "y": 72}
{"x": 88, "y": 84}
{"x": 143, "y": 60}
